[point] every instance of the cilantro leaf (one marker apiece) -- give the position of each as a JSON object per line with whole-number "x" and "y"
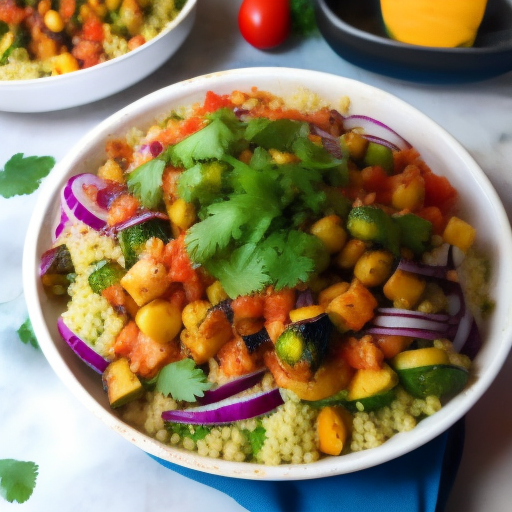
{"x": 243, "y": 272}
{"x": 194, "y": 432}
{"x": 145, "y": 183}
{"x": 183, "y": 380}
{"x": 288, "y": 260}
{"x": 279, "y": 134}
{"x": 23, "y": 175}
{"x": 212, "y": 142}
{"x": 17, "y": 479}
{"x": 26, "y": 333}
{"x": 256, "y": 438}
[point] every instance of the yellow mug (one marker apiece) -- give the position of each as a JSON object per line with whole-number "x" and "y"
{"x": 440, "y": 23}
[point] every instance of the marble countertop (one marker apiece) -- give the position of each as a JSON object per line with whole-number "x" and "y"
{"x": 85, "y": 466}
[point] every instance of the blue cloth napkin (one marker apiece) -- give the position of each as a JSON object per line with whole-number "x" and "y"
{"x": 419, "y": 481}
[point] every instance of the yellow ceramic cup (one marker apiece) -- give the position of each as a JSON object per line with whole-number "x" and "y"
{"x": 440, "y": 23}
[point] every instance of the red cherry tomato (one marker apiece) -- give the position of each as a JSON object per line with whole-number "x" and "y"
{"x": 264, "y": 23}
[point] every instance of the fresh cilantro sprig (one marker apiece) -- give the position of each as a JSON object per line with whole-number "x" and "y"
{"x": 256, "y": 438}
{"x": 22, "y": 175}
{"x": 145, "y": 183}
{"x": 17, "y": 479}
{"x": 26, "y": 333}
{"x": 183, "y": 380}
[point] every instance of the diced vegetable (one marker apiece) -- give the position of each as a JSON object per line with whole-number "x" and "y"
{"x": 105, "y": 274}
{"x": 372, "y": 224}
{"x": 305, "y": 342}
{"x": 145, "y": 281}
{"x": 121, "y": 384}
{"x": 459, "y": 233}
{"x": 420, "y": 357}
{"x": 133, "y": 239}
{"x": 228, "y": 410}
{"x": 374, "y": 267}
{"x": 415, "y": 232}
{"x": 352, "y": 309}
{"x": 332, "y": 431}
{"x": 404, "y": 289}
{"x": 160, "y": 320}
{"x": 370, "y": 389}
{"x": 377, "y": 154}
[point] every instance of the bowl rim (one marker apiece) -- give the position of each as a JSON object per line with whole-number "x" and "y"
{"x": 396, "y": 446}
{"x": 185, "y": 11}
{"x": 355, "y": 32}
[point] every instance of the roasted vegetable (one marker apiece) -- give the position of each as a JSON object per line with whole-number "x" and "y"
{"x": 105, "y": 274}
{"x": 121, "y": 384}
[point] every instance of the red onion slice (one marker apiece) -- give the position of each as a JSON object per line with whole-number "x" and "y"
{"x": 409, "y": 332}
{"x": 375, "y": 128}
{"x": 437, "y": 271}
{"x": 228, "y": 410}
{"x": 81, "y": 348}
{"x": 61, "y": 223}
{"x": 231, "y": 388}
{"x": 133, "y": 221}
{"x": 405, "y": 322}
{"x": 397, "y": 312}
{"x": 80, "y": 205}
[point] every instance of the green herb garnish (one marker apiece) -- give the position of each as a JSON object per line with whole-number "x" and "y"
{"x": 26, "y": 333}
{"x": 23, "y": 175}
{"x": 17, "y": 479}
{"x": 183, "y": 380}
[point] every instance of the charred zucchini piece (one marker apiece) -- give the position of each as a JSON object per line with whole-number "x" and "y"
{"x": 427, "y": 371}
{"x": 133, "y": 239}
{"x": 106, "y": 274}
{"x": 377, "y": 154}
{"x": 372, "y": 224}
{"x": 121, "y": 384}
{"x": 57, "y": 270}
{"x": 305, "y": 342}
{"x": 415, "y": 232}
{"x": 254, "y": 341}
{"x": 371, "y": 389}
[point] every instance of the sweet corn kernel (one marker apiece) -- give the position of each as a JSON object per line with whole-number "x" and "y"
{"x": 331, "y": 292}
{"x": 112, "y": 5}
{"x": 409, "y": 196}
{"x": 53, "y": 21}
{"x": 64, "y": 63}
{"x": 194, "y": 313}
{"x": 330, "y": 231}
{"x": 160, "y": 320}
{"x": 44, "y": 6}
{"x": 296, "y": 315}
{"x": 181, "y": 213}
{"x": 374, "y": 267}
{"x": 282, "y": 158}
{"x": 112, "y": 171}
{"x": 350, "y": 253}
{"x": 215, "y": 293}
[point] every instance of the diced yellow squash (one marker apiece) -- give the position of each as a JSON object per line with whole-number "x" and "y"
{"x": 332, "y": 431}
{"x": 296, "y": 315}
{"x": 160, "y": 320}
{"x": 404, "y": 289}
{"x": 352, "y": 309}
{"x": 121, "y": 384}
{"x": 367, "y": 382}
{"x": 64, "y": 63}
{"x": 145, "y": 281}
{"x": 205, "y": 342}
{"x": 215, "y": 293}
{"x": 459, "y": 233}
{"x": 420, "y": 357}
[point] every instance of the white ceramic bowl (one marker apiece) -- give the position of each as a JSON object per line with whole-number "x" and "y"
{"x": 91, "y": 84}
{"x": 445, "y": 155}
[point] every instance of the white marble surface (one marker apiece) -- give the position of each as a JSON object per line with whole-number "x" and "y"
{"x": 83, "y": 465}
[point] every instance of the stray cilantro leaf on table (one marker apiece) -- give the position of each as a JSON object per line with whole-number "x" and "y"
{"x": 183, "y": 380}
{"x": 22, "y": 175}
{"x": 17, "y": 479}
{"x": 26, "y": 334}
